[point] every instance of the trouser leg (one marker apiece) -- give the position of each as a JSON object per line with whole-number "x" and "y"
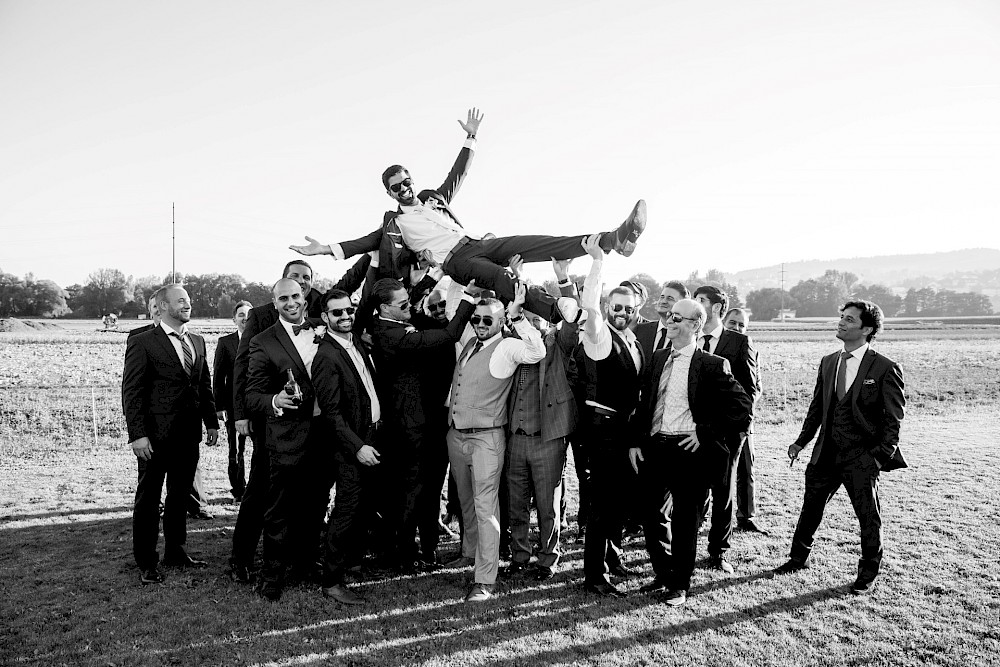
{"x": 723, "y": 502}
{"x": 861, "y": 481}
{"x": 518, "y": 495}
{"x": 547, "y": 461}
{"x": 655, "y": 522}
{"x": 581, "y": 464}
{"x": 341, "y": 527}
{"x": 181, "y": 463}
{"x": 146, "y": 510}
{"x": 602, "y": 547}
{"x": 250, "y": 520}
{"x": 821, "y": 483}
{"x": 460, "y": 457}
{"x": 487, "y": 465}
{"x": 746, "y": 488}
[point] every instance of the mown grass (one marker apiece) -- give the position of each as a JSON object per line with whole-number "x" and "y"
{"x": 70, "y": 593}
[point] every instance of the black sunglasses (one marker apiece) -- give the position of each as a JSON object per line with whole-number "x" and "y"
{"x": 436, "y": 306}
{"x": 617, "y": 308}
{"x": 406, "y": 182}
{"x": 337, "y": 312}
{"x": 677, "y": 318}
{"x": 485, "y": 319}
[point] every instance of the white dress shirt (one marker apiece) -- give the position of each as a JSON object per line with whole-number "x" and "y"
{"x": 305, "y": 345}
{"x": 676, "y": 409}
{"x": 512, "y": 352}
{"x": 175, "y": 341}
{"x": 362, "y": 368}
{"x": 853, "y": 363}
{"x": 713, "y": 341}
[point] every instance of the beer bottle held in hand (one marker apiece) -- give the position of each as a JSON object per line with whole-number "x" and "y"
{"x": 292, "y": 388}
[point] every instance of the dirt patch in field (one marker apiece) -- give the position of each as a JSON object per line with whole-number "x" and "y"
{"x": 14, "y": 325}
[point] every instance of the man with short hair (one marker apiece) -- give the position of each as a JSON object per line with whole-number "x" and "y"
{"x": 690, "y": 401}
{"x": 609, "y": 364}
{"x": 294, "y": 438}
{"x": 857, "y": 407}
{"x": 222, "y": 386}
{"x": 480, "y": 387}
{"x": 343, "y": 376}
{"x": 641, "y": 297}
{"x": 436, "y": 306}
{"x": 738, "y": 350}
{"x": 167, "y": 396}
{"x": 738, "y": 320}
{"x": 652, "y": 336}
{"x": 414, "y": 456}
{"x": 438, "y": 238}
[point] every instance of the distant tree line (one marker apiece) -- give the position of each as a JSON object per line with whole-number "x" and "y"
{"x": 214, "y": 294}
{"x": 823, "y": 296}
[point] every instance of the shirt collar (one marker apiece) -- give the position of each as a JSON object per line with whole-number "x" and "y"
{"x": 346, "y": 344}
{"x": 687, "y": 351}
{"x": 628, "y": 334}
{"x": 858, "y": 353}
{"x": 183, "y": 330}
{"x": 715, "y": 333}
{"x": 492, "y": 339}
{"x": 288, "y": 326}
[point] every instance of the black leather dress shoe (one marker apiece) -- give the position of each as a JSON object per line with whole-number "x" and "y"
{"x": 750, "y": 526}
{"x": 151, "y": 575}
{"x": 240, "y": 574}
{"x": 862, "y": 586}
{"x": 183, "y": 560}
{"x": 515, "y": 569}
{"x": 605, "y": 590}
{"x": 628, "y": 232}
{"x": 543, "y": 573}
{"x": 342, "y": 594}
{"x": 721, "y": 564}
{"x": 655, "y": 586}
{"x": 792, "y": 565}
{"x": 269, "y": 590}
{"x": 201, "y": 514}
{"x": 622, "y": 570}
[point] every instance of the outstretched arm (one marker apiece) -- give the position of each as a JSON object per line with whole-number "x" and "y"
{"x": 460, "y": 169}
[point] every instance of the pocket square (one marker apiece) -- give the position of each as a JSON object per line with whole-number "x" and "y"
{"x": 869, "y": 381}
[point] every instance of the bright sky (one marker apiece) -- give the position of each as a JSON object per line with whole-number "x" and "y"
{"x": 779, "y": 130}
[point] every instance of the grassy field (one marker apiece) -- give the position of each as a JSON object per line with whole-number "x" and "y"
{"x": 69, "y": 592}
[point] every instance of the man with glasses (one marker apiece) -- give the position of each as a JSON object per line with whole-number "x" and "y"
{"x": 438, "y": 238}
{"x": 608, "y": 364}
{"x": 690, "y": 400}
{"x": 480, "y": 387}
{"x": 343, "y": 377}
{"x": 652, "y": 336}
{"x": 739, "y": 351}
{"x": 413, "y": 457}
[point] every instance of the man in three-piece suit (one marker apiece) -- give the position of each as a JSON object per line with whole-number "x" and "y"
{"x": 414, "y": 462}
{"x": 690, "y": 403}
{"x": 609, "y": 364}
{"x": 343, "y": 376}
{"x": 857, "y": 408}
{"x": 167, "y": 396}
{"x": 739, "y": 351}
{"x": 293, "y": 437}
{"x": 250, "y": 520}
{"x": 438, "y": 238}
{"x": 222, "y": 386}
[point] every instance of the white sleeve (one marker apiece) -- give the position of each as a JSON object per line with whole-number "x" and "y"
{"x": 512, "y": 352}
{"x": 596, "y": 337}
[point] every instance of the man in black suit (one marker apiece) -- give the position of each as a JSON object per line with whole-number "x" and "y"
{"x": 344, "y": 379}
{"x": 690, "y": 402}
{"x": 167, "y": 395}
{"x": 738, "y": 350}
{"x": 436, "y": 236}
{"x": 857, "y": 408}
{"x": 222, "y": 386}
{"x": 414, "y": 465}
{"x": 250, "y": 520}
{"x": 652, "y": 336}
{"x": 293, "y": 438}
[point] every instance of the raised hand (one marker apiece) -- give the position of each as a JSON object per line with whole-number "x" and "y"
{"x": 516, "y": 265}
{"x": 561, "y": 268}
{"x": 592, "y": 244}
{"x": 313, "y": 248}
{"x": 472, "y": 290}
{"x": 471, "y": 124}
{"x": 520, "y": 294}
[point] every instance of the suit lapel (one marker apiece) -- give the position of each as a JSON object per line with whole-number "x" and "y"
{"x": 829, "y": 378}
{"x": 859, "y": 379}
{"x": 289, "y": 346}
{"x": 694, "y": 373}
{"x": 168, "y": 347}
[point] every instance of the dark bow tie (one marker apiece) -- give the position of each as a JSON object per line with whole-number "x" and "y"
{"x": 296, "y": 328}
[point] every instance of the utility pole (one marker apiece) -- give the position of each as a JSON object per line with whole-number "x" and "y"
{"x": 782, "y": 292}
{"x": 173, "y": 245}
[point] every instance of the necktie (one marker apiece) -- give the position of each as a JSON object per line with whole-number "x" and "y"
{"x": 188, "y": 353}
{"x": 661, "y": 393}
{"x": 478, "y": 346}
{"x": 707, "y": 347}
{"x": 661, "y": 340}
{"x": 842, "y": 376}
{"x": 296, "y": 328}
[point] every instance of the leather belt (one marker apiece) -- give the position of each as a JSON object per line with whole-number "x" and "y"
{"x": 669, "y": 437}
{"x": 476, "y": 430}
{"x": 458, "y": 246}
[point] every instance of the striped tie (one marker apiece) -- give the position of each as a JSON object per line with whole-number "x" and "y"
{"x": 661, "y": 393}
{"x": 188, "y": 353}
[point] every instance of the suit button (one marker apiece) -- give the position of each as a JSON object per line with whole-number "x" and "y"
{"x": 550, "y": 405}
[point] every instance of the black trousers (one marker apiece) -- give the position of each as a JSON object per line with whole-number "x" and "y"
{"x": 402, "y": 454}
{"x": 581, "y": 462}
{"x": 250, "y": 520}
{"x": 672, "y": 535}
{"x": 484, "y": 260}
{"x": 433, "y": 470}
{"x": 175, "y": 463}
{"x": 237, "y": 469}
{"x": 344, "y": 540}
{"x": 723, "y": 496}
{"x": 746, "y": 486}
{"x": 606, "y": 444}
{"x": 859, "y": 475}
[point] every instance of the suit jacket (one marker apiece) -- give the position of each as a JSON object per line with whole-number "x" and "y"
{"x": 264, "y": 316}
{"x": 138, "y": 330}
{"x": 161, "y": 402}
{"x": 272, "y": 353}
{"x": 400, "y": 355}
{"x": 394, "y": 257}
{"x": 645, "y": 333}
{"x": 877, "y": 404}
{"x": 222, "y": 372}
{"x": 341, "y": 393}
{"x": 719, "y": 406}
{"x": 558, "y": 411}
{"x": 738, "y": 350}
